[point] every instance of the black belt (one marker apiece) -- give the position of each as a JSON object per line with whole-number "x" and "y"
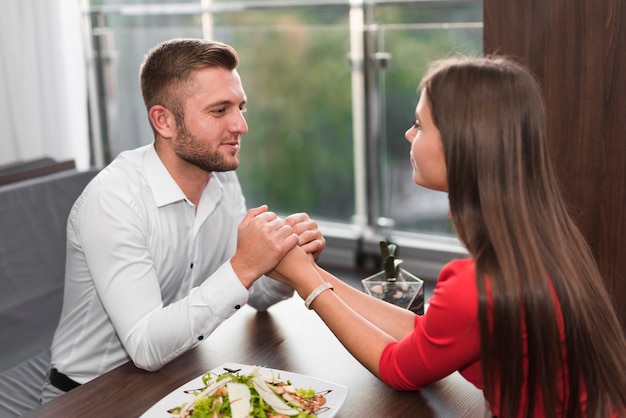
{"x": 61, "y": 381}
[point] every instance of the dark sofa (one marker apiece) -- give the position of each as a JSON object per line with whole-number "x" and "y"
{"x": 33, "y": 216}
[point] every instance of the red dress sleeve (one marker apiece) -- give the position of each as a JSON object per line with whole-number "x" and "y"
{"x": 445, "y": 339}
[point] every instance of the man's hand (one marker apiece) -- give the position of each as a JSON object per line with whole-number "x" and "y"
{"x": 263, "y": 239}
{"x": 310, "y": 237}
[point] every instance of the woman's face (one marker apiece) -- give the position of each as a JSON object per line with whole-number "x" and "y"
{"x": 427, "y": 159}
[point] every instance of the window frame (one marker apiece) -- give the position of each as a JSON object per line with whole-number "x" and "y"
{"x": 349, "y": 245}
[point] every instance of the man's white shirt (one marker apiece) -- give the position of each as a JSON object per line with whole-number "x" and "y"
{"x": 148, "y": 274}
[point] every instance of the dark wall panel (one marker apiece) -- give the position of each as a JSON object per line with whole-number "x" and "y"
{"x": 578, "y": 51}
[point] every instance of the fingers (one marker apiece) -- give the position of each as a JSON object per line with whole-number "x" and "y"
{"x": 252, "y": 213}
{"x": 271, "y": 225}
{"x": 314, "y": 247}
{"x": 296, "y": 218}
{"x": 301, "y": 223}
{"x": 262, "y": 241}
{"x": 277, "y": 233}
{"x": 310, "y": 237}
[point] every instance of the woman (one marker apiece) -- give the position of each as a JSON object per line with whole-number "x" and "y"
{"x": 526, "y": 318}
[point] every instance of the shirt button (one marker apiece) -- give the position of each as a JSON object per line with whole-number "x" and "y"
{"x": 191, "y": 266}
{"x": 200, "y": 338}
{"x": 237, "y": 306}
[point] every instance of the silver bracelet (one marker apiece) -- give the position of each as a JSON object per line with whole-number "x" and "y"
{"x": 315, "y": 293}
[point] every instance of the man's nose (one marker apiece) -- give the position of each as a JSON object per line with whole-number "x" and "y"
{"x": 240, "y": 124}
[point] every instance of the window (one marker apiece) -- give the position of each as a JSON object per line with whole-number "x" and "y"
{"x": 331, "y": 89}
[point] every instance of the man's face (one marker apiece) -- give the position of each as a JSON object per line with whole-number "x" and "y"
{"x": 210, "y": 135}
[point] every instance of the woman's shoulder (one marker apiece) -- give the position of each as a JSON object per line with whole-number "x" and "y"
{"x": 452, "y": 315}
{"x": 458, "y": 269}
{"x": 456, "y": 285}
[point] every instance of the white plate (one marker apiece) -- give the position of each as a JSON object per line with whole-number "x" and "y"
{"x": 334, "y": 399}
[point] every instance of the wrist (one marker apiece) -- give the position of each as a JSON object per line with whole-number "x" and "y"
{"x": 315, "y": 293}
{"x": 245, "y": 275}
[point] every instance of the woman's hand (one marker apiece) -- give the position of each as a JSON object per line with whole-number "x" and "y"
{"x": 298, "y": 270}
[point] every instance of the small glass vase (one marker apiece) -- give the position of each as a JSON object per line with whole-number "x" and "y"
{"x": 407, "y": 291}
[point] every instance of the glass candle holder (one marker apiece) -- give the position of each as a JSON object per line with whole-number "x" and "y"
{"x": 406, "y": 291}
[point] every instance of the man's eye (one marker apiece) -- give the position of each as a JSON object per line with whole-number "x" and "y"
{"x": 243, "y": 109}
{"x": 417, "y": 125}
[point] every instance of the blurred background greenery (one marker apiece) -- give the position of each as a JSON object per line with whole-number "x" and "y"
{"x": 299, "y": 154}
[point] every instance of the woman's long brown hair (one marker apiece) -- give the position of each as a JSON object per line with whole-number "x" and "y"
{"x": 507, "y": 209}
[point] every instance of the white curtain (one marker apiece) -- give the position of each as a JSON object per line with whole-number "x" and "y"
{"x": 43, "y": 87}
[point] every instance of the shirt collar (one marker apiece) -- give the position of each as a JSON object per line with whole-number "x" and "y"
{"x": 164, "y": 189}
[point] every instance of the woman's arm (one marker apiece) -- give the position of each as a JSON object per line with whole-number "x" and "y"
{"x": 364, "y": 325}
{"x": 394, "y": 320}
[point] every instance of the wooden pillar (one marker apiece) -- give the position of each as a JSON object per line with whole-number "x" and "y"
{"x": 578, "y": 51}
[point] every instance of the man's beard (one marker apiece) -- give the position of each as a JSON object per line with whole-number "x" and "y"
{"x": 187, "y": 149}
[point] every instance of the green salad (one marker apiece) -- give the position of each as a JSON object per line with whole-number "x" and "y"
{"x": 253, "y": 395}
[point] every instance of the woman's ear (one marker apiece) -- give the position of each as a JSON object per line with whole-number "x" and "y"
{"x": 162, "y": 120}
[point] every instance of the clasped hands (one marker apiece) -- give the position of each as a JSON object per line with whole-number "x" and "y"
{"x": 264, "y": 240}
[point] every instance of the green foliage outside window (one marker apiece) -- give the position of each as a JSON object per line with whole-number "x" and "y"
{"x": 299, "y": 153}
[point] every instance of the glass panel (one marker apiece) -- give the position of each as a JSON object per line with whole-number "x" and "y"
{"x": 297, "y": 155}
{"x": 299, "y": 152}
{"x": 416, "y": 36}
{"x": 125, "y": 39}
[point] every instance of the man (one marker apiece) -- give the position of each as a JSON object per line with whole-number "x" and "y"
{"x": 160, "y": 248}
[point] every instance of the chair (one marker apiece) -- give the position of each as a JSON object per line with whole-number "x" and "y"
{"x": 23, "y": 170}
{"x": 33, "y": 217}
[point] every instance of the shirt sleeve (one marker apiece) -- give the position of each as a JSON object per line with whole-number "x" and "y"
{"x": 122, "y": 270}
{"x": 445, "y": 339}
{"x": 266, "y": 292}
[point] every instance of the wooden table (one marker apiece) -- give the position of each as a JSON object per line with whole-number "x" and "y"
{"x": 286, "y": 337}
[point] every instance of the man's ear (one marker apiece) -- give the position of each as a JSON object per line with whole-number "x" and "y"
{"x": 162, "y": 120}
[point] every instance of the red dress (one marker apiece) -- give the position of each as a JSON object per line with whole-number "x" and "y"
{"x": 446, "y": 338}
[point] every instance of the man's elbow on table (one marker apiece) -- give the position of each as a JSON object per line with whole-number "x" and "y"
{"x": 152, "y": 356}
{"x": 153, "y": 363}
